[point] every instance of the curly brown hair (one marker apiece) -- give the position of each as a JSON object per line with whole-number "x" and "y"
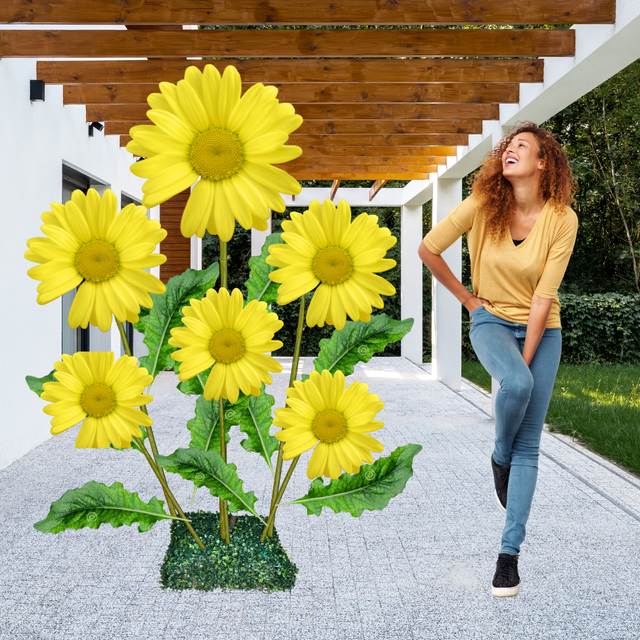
{"x": 496, "y": 193}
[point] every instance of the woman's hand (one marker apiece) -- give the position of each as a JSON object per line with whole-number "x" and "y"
{"x": 472, "y": 303}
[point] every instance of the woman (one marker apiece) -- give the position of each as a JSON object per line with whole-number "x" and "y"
{"x": 520, "y": 231}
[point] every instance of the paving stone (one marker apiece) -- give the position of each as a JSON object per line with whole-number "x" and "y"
{"x": 419, "y": 570}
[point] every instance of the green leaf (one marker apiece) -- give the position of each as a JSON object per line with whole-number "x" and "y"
{"x": 96, "y": 504}
{"x": 371, "y": 488}
{"x": 205, "y": 427}
{"x": 134, "y": 444}
{"x": 195, "y": 386}
{"x": 35, "y": 384}
{"x": 358, "y": 342}
{"x": 208, "y": 469}
{"x": 255, "y": 422}
{"x": 259, "y": 287}
{"x": 166, "y": 314}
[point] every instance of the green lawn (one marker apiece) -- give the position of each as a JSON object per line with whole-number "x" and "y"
{"x": 599, "y": 405}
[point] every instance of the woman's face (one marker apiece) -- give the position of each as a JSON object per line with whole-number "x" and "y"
{"x": 520, "y": 159}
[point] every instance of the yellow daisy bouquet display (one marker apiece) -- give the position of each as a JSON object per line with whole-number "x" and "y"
{"x": 221, "y": 343}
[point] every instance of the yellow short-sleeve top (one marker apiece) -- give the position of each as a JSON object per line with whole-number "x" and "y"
{"x": 509, "y": 275}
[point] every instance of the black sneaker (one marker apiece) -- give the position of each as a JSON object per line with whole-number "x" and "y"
{"x": 506, "y": 581}
{"x": 501, "y": 482}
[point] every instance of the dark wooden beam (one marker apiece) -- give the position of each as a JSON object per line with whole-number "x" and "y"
{"x": 288, "y": 43}
{"x": 362, "y": 111}
{"x": 281, "y": 71}
{"x": 464, "y": 92}
{"x": 319, "y": 12}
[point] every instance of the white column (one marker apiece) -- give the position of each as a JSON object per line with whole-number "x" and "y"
{"x": 446, "y": 333}
{"x": 196, "y": 253}
{"x": 411, "y": 280}
{"x": 258, "y": 238}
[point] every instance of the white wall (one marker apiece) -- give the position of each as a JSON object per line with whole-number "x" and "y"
{"x": 35, "y": 138}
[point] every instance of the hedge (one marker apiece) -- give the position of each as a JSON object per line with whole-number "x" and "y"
{"x": 598, "y": 327}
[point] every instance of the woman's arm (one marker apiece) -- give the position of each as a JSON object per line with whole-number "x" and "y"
{"x": 540, "y": 308}
{"x": 440, "y": 269}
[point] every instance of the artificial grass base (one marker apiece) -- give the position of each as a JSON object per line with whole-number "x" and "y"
{"x": 245, "y": 564}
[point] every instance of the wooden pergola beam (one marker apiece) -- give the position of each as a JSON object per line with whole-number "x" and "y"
{"x": 282, "y": 71}
{"x": 433, "y": 155}
{"x": 320, "y": 12}
{"x": 382, "y": 151}
{"x": 318, "y": 162}
{"x": 363, "y": 175}
{"x": 362, "y": 111}
{"x": 288, "y": 43}
{"x": 405, "y": 140}
{"x": 322, "y": 127}
{"x": 377, "y": 185}
{"x": 311, "y": 167}
{"x": 334, "y": 189}
{"x": 465, "y": 92}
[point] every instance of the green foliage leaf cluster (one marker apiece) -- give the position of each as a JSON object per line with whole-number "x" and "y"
{"x": 208, "y": 469}
{"x": 255, "y": 423}
{"x": 246, "y": 564}
{"x": 96, "y": 504}
{"x": 602, "y": 327}
{"x": 370, "y": 489}
{"x": 35, "y": 384}
{"x": 166, "y": 314}
{"x": 205, "y": 427}
{"x": 358, "y": 342}
{"x": 259, "y": 287}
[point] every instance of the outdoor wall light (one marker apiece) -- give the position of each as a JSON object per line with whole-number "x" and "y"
{"x": 36, "y": 90}
{"x": 95, "y": 125}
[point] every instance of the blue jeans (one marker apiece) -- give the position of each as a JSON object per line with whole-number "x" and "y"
{"x": 521, "y": 407}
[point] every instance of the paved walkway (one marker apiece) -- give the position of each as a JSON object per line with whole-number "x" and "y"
{"x": 420, "y": 569}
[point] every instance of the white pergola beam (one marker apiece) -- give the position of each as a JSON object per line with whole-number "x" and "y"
{"x": 356, "y": 197}
{"x": 601, "y": 52}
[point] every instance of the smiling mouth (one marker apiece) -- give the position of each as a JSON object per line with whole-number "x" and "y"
{"x": 511, "y": 161}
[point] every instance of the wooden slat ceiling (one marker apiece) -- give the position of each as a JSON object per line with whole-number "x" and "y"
{"x": 378, "y": 104}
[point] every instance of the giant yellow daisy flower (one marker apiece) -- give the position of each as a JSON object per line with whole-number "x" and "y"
{"x": 91, "y": 387}
{"x": 322, "y": 412}
{"x": 220, "y": 332}
{"x": 89, "y": 244}
{"x": 204, "y": 129}
{"x": 322, "y": 246}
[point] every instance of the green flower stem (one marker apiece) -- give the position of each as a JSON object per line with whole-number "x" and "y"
{"x": 294, "y": 374}
{"x": 223, "y": 265}
{"x": 224, "y": 516}
{"x": 172, "y": 503}
{"x": 272, "y": 515}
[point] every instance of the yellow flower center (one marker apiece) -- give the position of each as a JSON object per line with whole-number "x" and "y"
{"x": 98, "y": 400}
{"x": 227, "y": 346}
{"x": 216, "y": 154}
{"x": 97, "y": 261}
{"x": 329, "y": 426}
{"x": 332, "y": 265}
